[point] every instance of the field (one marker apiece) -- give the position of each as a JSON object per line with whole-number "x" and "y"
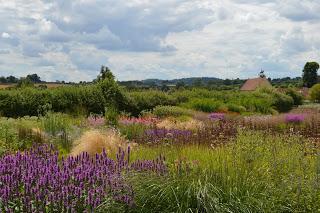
{"x": 48, "y": 85}
{"x": 105, "y": 149}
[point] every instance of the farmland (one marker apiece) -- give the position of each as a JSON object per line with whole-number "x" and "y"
{"x": 103, "y": 148}
{"x": 48, "y": 85}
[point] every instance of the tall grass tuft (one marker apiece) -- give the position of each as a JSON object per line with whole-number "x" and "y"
{"x": 94, "y": 141}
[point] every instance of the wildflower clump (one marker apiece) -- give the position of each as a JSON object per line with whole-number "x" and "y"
{"x": 96, "y": 121}
{"x": 37, "y": 181}
{"x": 294, "y": 118}
{"x": 217, "y": 116}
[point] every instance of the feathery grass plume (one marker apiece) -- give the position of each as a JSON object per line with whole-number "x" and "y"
{"x": 190, "y": 124}
{"x": 94, "y": 141}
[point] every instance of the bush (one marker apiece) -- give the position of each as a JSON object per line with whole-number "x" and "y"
{"x": 236, "y": 108}
{"x": 282, "y": 102}
{"x": 315, "y": 93}
{"x": 166, "y": 111}
{"x": 147, "y": 100}
{"x": 297, "y": 97}
{"x": 205, "y": 105}
{"x": 68, "y": 99}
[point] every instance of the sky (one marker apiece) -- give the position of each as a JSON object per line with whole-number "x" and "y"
{"x": 166, "y": 39}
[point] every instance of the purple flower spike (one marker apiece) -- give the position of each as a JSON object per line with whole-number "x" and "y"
{"x": 36, "y": 181}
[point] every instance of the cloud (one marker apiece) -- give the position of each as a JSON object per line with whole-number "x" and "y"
{"x": 141, "y": 39}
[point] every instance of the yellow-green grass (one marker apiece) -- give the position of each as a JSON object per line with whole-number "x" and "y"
{"x": 255, "y": 173}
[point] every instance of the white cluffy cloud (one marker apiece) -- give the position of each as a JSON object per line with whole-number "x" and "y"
{"x": 138, "y": 39}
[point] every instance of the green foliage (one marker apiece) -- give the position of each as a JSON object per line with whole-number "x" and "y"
{"x": 257, "y": 173}
{"x": 236, "y": 108}
{"x": 54, "y": 123}
{"x": 33, "y": 78}
{"x": 147, "y": 100}
{"x": 282, "y": 102}
{"x": 132, "y": 131}
{"x": 297, "y": 97}
{"x": 204, "y": 105}
{"x": 25, "y": 82}
{"x": 315, "y": 93}
{"x": 167, "y": 111}
{"x": 105, "y": 74}
{"x": 112, "y": 115}
{"x": 310, "y": 76}
{"x": 68, "y": 99}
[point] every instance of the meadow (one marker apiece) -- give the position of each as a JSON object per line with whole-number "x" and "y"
{"x": 102, "y": 148}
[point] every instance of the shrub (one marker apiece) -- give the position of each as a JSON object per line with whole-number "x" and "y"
{"x": 236, "y": 108}
{"x": 175, "y": 111}
{"x": 147, "y": 100}
{"x": 282, "y": 102}
{"x": 297, "y": 98}
{"x": 112, "y": 115}
{"x": 204, "y": 105}
{"x": 69, "y": 99}
{"x": 315, "y": 93}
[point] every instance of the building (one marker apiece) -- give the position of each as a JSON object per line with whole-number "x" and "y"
{"x": 255, "y": 83}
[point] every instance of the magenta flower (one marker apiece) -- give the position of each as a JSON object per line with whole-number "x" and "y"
{"x": 294, "y": 118}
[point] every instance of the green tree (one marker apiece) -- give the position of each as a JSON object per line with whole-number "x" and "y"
{"x": 197, "y": 82}
{"x": 105, "y": 73}
{"x": 12, "y": 79}
{"x": 315, "y": 93}
{"x": 34, "y": 78}
{"x": 180, "y": 85}
{"x": 310, "y": 76}
{"x": 3, "y": 79}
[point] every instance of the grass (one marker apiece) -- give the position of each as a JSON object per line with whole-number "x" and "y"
{"x": 256, "y": 173}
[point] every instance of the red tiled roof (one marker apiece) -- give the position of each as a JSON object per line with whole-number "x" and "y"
{"x": 255, "y": 83}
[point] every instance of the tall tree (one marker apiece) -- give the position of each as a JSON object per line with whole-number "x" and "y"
{"x": 105, "y": 73}
{"x": 310, "y": 76}
{"x": 12, "y": 79}
{"x": 3, "y": 79}
{"x": 34, "y": 78}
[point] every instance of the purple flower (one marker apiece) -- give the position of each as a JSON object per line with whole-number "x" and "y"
{"x": 217, "y": 116}
{"x": 294, "y": 118}
{"x": 36, "y": 181}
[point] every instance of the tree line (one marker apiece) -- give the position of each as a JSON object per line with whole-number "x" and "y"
{"x": 34, "y": 78}
{"x": 309, "y": 78}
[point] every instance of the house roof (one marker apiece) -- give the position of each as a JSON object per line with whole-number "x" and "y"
{"x": 255, "y": 83}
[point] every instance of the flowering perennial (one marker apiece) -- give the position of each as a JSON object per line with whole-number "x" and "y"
{"x": 217, "y": 116}
{"x": 294, "y": 118}
{"x": 168, "y": 132}
{"x": 145, "y": 121}
{"x": 37, "y": 181}
{"x": 96, "y": 121}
